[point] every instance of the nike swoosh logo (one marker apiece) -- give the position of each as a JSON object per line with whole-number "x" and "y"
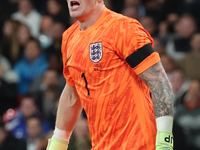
{"x": 69, "y": 58}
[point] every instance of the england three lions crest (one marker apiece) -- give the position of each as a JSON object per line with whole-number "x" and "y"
{"x": 96, "y": 52}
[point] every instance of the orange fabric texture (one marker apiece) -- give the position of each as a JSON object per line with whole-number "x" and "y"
{"x": 117, "y": 102}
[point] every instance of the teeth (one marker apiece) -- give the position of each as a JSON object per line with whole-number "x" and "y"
{"x": 74, "y": 3}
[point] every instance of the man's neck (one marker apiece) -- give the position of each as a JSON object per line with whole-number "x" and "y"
{"x": 92, "y": 18}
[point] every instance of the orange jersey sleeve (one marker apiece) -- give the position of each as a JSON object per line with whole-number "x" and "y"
{"x": 131, "y": 37}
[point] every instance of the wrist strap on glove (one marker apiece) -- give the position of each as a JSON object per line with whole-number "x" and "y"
{"x": 54, "y": 144}
{"x": 164, "y": 140}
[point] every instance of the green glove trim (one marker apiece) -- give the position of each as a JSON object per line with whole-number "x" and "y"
{"x": 164, "y": 138}
{"x": 55, "y": 144}
{"x": 163, "y": 147}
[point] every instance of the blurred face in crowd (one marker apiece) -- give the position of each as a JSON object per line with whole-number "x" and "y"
{"x": 81, "y": 9}
{"x": 195, "y": 42}
{"x": 46, "y": 23}
{"x": 23, "y": 34}
{"x": 10, "y": 27}
{"x": 186, "y": 27}
{"x": 177, "y": 80}
{"x": 50, "y": 78}
{"x": 193, "y": 93}
{"x": 53, "y": 7}
{"x": 131, "y": 12}
{"x": 34, "y": 128}
{"x": 25, "y": 7}
{"x": 28, "y": 107}
{"x": 149, "y": 24}
{"x": 7, "y": 28}
{"x": 172, "y": 18}
{"x": 32, "y": 50}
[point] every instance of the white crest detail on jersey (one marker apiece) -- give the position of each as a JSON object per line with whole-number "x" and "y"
{"x": 96, "y": 52}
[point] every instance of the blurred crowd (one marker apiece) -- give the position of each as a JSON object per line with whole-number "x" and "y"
{"x": 31, "y": 77}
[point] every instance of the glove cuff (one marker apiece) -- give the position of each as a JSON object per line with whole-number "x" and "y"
{"x": 164, "y": 138}
{"x": 54, "y": 144}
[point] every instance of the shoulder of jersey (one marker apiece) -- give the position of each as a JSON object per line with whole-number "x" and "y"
{"x": 119, "y": 18}
{"x": 70, "y": 30}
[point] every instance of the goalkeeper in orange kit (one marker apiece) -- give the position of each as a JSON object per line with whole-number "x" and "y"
{"x": 111, "y": 68}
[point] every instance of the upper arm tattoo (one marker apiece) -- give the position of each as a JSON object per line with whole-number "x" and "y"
{"x": 161, "y": 90}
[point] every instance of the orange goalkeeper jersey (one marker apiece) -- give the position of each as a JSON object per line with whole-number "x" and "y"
{"x": 117, "y": 102}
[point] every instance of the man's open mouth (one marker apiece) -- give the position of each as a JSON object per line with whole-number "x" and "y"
{"x": 74, "y": 3}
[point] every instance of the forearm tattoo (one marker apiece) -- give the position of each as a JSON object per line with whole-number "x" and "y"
{"x": 161, "y": 90}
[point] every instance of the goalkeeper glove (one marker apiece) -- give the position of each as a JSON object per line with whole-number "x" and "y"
{"x": 164, "y": 140}
{"x": 55, "y": 144}
{"x": 59, "y": 140}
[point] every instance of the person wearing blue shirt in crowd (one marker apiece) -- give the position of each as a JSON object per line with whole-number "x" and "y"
{"x": 28, "y": 108}
{"x": 32, "y": 65}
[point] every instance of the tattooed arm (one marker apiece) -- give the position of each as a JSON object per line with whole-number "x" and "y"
{"x": 162, "y": 95}
{"x": 161, "y": 90}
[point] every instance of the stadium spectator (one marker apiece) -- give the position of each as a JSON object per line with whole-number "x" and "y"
{"x": 10, "y": 48}
{"x": 80, "y": 139}
{"x": 28, "y": 108}
{"x": 190, "y": 64}
{"x": 48, "y": 91}
{"x": 166, "y": 28}
{"x": 8, "y": 142}
{"x": 168, "y": 63}
{"x": 35, "y": 135}
{"x": 55, "y": 65}
{"x": 139, "y": 5}
{"x": 172, "y": 19}
{"x": 187, "y": 115}
{"x": 14, "y": 40}
{"x": 57, "y": 9}
{"x": 192, "y": 7}
{"x": 131, "y": 11}
{"x": 56, "y": 32}
{"x": 6, "y": 9}
{"x": 46, "y": 23}
{"x": 179, "y": 45}
{"x": 26, "y": 14}
{"x": 6, "y": 72}
{"x": 180, "y": 83}
{"x": 8, "y": 86}
{"x": 32, "y": 65}
{"x": 45, "y": 29}
{"x": 149, "y": 24}
{"x": 154, "y": 8}
{"x": 23, "y": 35}
{"x": 158, "y": 46}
